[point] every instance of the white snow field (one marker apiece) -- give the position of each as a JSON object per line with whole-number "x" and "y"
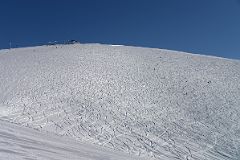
{"x": 150, "y": 103}
{"x": 20, "y": 143}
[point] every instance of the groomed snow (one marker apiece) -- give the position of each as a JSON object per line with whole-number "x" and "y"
{"x": 146, "y": 102}
{"x": 21, "y": 143}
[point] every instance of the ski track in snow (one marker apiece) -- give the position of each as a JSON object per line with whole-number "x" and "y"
{"x": 20, "y": 143}
{"x": 147, "y": 102}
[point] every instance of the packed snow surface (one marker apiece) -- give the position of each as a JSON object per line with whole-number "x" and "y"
{"x": 147, "y": 102}
{"x": 20, "y": 143}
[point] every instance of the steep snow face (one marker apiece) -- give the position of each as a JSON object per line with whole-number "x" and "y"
{"x": 147, "y": 102}
{"x": 20, "y": 143}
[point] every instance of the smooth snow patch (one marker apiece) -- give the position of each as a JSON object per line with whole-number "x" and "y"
{"x": 20, "y": 143}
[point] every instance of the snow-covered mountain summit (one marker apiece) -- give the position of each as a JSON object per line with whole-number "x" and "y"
{"x": 147, "y": 102}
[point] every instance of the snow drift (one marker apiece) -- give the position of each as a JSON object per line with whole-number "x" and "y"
{"x": 147, "y": 102}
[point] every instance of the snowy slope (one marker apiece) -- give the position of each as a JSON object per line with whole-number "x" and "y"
{"x": 20, "y": 143}
{"x": 146, "y": 102}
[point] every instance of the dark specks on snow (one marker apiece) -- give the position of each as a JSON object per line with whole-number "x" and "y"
{"x": 185, "y": 107}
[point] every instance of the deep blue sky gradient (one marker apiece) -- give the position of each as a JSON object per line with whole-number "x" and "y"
{"x": 198, "y": 26}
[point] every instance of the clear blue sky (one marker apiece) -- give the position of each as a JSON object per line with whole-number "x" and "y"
{"x": 198, "y": 26}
